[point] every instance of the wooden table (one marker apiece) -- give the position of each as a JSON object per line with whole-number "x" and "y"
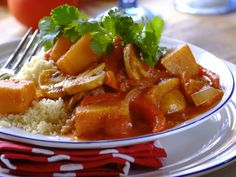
{"x": 216, "y": 34}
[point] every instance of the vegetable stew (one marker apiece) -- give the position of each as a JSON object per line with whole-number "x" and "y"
{"x": 115, "y": 78}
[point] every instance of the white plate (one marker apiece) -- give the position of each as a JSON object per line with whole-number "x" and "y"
{"x": 203, "y": 57}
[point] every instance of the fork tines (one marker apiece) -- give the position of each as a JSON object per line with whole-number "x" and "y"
{"x": 28, "y": 46}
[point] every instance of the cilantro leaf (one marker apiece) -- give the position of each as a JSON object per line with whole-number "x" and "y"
{"x": 77, "y": 28}
{"x": 101, "y": 43}
{"x": 109, "y": 21}
{"x": 145, "y": 37}
{"x": 49, "y": 32}
{"x": 156, "y": 25}
{"x": 87, "y": 27}
{"x": 117, "y": 23}
{"x": 124, "y": 29}
{"x": 149, "y": 47}
{"x": 62, "y": 21}
{"x": 71, "y": 33}
{"x": 65, "y": 14}
{"x": 148, "y": 40}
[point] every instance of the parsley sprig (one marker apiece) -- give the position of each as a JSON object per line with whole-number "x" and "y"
{"x": 69, "y": 21}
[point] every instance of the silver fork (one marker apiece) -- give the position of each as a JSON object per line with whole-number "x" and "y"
{"x": 16, "y": 61}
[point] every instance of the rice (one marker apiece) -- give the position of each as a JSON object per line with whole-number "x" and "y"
{"x": 44, "y": 117}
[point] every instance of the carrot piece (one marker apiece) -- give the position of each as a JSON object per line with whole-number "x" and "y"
{"x": 99, "y": 98}
{"x": 79, "y": 57}
{"x": 110, "y": 80}
{"x": 213, "y": 77}
{"x": 144, "y": 107}
{"x": 16, "y": 96}
{"x": 61, "y": 46}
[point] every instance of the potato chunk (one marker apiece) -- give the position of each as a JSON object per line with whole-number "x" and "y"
{"x": 16, "y": 96}
{"x": 111, "y": 118}
{"x": 181, "y": 60}
{"x": 78, "y": 57}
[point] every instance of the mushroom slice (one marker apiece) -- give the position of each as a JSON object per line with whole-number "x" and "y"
{"x": 87, "y": 80}
{"x": 135, "y": 68}
{"x": 51, "y": 83}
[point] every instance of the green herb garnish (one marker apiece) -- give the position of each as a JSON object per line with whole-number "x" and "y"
{"x": 69, "y": 21}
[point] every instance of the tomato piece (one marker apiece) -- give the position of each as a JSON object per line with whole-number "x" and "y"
{"x": 145, "y": 108}
{"x": 99, "y": 98}
{"x": 213, "y": 77}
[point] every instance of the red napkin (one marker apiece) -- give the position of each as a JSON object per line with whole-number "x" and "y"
{"x": 29, "y": 160}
